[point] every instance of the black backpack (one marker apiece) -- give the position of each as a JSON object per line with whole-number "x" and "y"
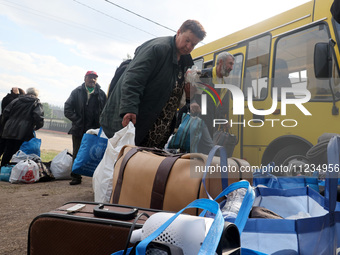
{"x": 120, "y": 70}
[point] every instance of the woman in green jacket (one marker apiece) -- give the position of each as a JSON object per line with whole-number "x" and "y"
{"x": 150, "y": 90}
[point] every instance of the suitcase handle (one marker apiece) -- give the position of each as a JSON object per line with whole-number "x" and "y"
{"x": 99, "y": 211}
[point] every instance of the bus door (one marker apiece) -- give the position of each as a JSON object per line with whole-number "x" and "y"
{"x": 235, "y": 78}
{"x": 255, "y": 90}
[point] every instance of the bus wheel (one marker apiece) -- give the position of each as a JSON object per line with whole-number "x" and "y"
{"x": 297, "y": 165}
{"x": 286, "y": 152}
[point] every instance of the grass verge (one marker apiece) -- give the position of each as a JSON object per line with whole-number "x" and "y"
{"x": 48, "y": 155}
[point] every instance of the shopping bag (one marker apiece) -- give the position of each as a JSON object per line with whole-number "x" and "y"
{"x": 311, "y": 222}
{"x": 103, "y": 174}
{"x": 245, "y": 207}
{"x": 26, "y": 171}
{"x": 6, "y": 172}
{"x": 188, "y": 134}
{"x": 248, "y": 195}
{"x": 264, "y": 177}
{"x": 20, "y": 155}
{"x": 32, "y": 146}
{"x": 61, "y": 165}
{"x": 247, "y": 200}
{"x": 91, "y": 152}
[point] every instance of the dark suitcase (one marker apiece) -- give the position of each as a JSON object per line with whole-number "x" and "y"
{"x": 92, "y": 230}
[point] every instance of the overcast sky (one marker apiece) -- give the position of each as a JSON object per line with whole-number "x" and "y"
{"x": 50, "y": 44}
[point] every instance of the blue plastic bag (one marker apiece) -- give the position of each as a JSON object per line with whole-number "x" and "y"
{"x": 32, "y": 146}
{"x": 91, "y": 152}
{"x": 6, "y": 172}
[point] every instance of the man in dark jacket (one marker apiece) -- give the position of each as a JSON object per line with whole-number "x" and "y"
{"x": 83, "y": 108}
{"x": 215, "y": 75}
{"x": 149, "y": 92}
{"x": 15, "y": 92}
{"x": 20, "y": 119}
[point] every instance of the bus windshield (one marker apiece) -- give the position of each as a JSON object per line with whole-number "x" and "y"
{"x": 294, "y": 64}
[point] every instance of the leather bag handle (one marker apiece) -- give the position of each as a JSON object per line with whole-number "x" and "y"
{"x": 127, "y": 157}
{"x": 118, "y": 188}
{"x": 160, "y": 181}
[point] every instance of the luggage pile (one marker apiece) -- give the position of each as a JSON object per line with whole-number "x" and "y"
{"x": 29, "y": 168}
{"x": 163, "y": 203}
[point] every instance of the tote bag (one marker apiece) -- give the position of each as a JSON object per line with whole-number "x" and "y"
{"x": 310, "y": 220}
{"x": 263, "y": 177}
{"x": 91, "y": 152}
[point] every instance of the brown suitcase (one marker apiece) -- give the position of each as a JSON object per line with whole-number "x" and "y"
{"x": 85, "y": 231}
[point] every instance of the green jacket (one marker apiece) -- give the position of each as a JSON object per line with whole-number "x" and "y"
{"x": 145, "y": 86}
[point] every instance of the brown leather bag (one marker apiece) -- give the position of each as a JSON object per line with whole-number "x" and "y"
{"x": 153, "y": 178}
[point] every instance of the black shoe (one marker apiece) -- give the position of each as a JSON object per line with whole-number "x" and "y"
{"x": 75, "y": 181}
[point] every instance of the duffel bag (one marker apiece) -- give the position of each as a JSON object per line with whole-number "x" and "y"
{"x": 152, "y": 178}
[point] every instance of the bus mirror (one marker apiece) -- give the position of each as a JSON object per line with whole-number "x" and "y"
{"x": 322, "y": 60}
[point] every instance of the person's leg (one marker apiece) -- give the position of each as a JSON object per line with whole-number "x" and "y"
{"x": 76, "y": 141}
{"x": 11, "y": 147}
{"x": 2, "y": 146}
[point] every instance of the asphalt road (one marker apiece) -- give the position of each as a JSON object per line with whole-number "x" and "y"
{"x": 54, "y": 140}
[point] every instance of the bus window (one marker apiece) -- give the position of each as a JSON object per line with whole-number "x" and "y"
{"x": 199, "y": 63}
{"x": 208, "y": 64}
{"x": 234, "y": 77}
{"x": 335, "y": 68}
{"x": 294, "y": 63}
{"x": 257, "y": 67}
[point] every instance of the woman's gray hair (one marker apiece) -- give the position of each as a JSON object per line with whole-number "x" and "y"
{"x": 223, "y": 56}
{"x": 32, "y": 91}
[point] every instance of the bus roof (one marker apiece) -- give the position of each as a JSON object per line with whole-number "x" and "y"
{"x": 293, "y": 18}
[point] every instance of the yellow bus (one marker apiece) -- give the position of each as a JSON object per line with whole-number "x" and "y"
{"x": 305, "y": 40}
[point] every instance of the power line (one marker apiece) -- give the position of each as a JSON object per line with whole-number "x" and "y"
{"x": 201, "y": 42}
{"x": 27, "y": 9}
{"x": 140, "y": 16}
{"x": 113, "y": 17}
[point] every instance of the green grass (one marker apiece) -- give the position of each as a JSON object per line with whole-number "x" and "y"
{"x": 48, "y": 155}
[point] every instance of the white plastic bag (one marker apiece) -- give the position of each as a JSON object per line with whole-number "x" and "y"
{"x": 25, "y": 171}
{"x": 95, "y": 132}
{"x": 103, "y": 175}
{"x": 20, "y": 155}
{"x": 61, "y": 166}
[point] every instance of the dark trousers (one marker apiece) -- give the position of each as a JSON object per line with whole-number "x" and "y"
{"x": 11, "y": 147}
{"x": 76, "y": 141}
{"x": 2, "y": 146}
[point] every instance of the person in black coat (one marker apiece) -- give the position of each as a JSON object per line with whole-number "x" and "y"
{"x": 83, "y": 108}
{"x": 15, "y": 92}
{"x": 20, "y": 119}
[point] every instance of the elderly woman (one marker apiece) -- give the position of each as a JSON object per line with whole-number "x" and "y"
{"x": 19, "y": 119}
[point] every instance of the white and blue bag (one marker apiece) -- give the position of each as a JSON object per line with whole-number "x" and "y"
{"x": 91, "y": 152}
{"x": 316, "y": 232}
